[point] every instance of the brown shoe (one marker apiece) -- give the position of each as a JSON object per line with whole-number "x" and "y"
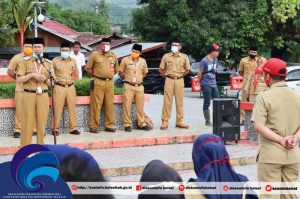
{"x": 182, "y": 125}
{"x": 164, "y": 126}
{"x": 111, "y": 130}
{"x": 93, "y": 130}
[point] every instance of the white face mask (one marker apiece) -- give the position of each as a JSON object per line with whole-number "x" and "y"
{"x": 174, "y": 49}
{"x": 106, "y": 48}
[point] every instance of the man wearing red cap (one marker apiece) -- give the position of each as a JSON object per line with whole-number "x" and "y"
{"x": 276, "y": 118}
{"x": 207, "y": 78}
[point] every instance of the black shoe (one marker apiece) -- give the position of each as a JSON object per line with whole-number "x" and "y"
{"x": 110, "y": 130}
{"x": 75, "y": 132}
{"x": 55, "y": 133}
{"x": 16, "y": 135}
{"x": 93, "y": 130}
{"x": 128, "y": 129}
{"x": 34, "y": 133}
{"x": 145, "y": 128}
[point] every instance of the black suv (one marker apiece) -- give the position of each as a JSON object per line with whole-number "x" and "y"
{"x": 223, "y": 75}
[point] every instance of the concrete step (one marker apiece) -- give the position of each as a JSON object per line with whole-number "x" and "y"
{"x": 120, "y": 139}
{"x": 132, "y": 160}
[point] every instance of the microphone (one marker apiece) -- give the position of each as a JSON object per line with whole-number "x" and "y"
{"x": 40, "y": 58}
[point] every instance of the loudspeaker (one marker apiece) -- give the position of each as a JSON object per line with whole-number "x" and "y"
{"x": 226, "y": 118}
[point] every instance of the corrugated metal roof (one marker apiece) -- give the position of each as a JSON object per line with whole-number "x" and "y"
{"x": 124, "y": 51}
{"x": 59, "y": 27}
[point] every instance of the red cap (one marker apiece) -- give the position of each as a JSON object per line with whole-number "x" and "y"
{"x": 276, "y": 67}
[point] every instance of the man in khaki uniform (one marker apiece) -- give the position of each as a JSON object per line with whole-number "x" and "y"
{"x": 133, "y": 69}
{"x": 35, "y": 104}
{"x": 65, "y": 71}
{"x": 174, "y": 66}
{"x": 11, "y": 71}
{"x": 256, "y": 82}
{"x": 102, "y": 65}
{"x": 247, "y": 66}
{"x": 276, "y": 118}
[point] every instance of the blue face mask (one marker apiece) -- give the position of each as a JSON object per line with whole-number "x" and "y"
{"x": 36, "y": 56}
{"x": 65, "y": 55}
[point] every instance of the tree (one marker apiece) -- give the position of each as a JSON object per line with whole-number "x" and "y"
{"x": 234, "y": 24}
{"x": 7, "y": 29}
{"x": 22, "y": 16}
{"x": 81, "y": 21}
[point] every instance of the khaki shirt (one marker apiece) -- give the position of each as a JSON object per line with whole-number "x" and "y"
{"x": 65, "y": 70}
{"x": 13, "y": 66}
{"x": 248, "y": 66}
{"x": 27, "y": 67}
{"x": 278, "y": 109}
{"x": 134, "y": 69}
{"x": 104, "y": 65}
{"x": 175, "y": 66}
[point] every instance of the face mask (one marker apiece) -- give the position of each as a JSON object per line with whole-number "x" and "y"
{"x": 174, "y": 49}
{"x": 65, "y": 55}
{"x": 135, "y": 55}
{"x": 36, "y": 56}
{"x": 105, "y": 48}
{"x": 27, "y": 51}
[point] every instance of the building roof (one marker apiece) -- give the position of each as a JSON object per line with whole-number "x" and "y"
{"x": 86, "y": 38}
{"x": 124, "y": 51}
{"x": 66, "y": 37}
{"x": 59, "y": 28}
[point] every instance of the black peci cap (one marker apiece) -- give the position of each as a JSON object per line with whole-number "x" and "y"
{"x": 38, "y": 40}
{"x": 28, "y": 41}
{"x": 137, "y": 47}
{"x": 65, "y": 45}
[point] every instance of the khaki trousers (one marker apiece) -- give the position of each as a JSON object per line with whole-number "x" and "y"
{"x": 131, "y": 94}
{"x": 173, "y": 88}
{"x": 244, "y": 99}
{"x": 18, "y": 112}
{"x": 35, "y": 107}
{"x": 103, "y": 93}
{"x": 277, "y": 173}
{"x": 61, "y": 96}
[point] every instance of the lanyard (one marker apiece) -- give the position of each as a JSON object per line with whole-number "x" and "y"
{"x": 135, "y": 66}
{"x": 36, "y": 69}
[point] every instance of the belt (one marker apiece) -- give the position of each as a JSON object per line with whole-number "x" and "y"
{"x": 132, "y": 84}
{"x": 34, "y": 91}
{"x": 64, "y": 85}
{"x": 102, "y": 78}
{"x": 174, "y": 77}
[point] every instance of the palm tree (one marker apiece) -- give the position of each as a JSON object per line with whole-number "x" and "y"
{"x": 22, "y": 16}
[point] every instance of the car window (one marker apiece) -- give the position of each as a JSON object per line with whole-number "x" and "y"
{"x": 293, "y": 75}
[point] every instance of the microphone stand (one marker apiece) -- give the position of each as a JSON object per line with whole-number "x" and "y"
{"x": 52, "y": 98}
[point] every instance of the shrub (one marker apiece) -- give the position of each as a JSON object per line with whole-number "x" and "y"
{"x": 7, "y": 90}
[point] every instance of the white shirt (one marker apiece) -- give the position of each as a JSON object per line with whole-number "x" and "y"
{"x": 80, "y": 61}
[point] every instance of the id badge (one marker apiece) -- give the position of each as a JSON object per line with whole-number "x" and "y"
{"x": 134, "y": 79}
{"x": 39, "y": 90}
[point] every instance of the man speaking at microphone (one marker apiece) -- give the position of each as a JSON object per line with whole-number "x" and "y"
{"x": 33, "y": 73}
{"x": 66, "y": 72}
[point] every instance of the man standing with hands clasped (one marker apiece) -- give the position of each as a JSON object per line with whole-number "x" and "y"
{"x": 276, "y": 118}
{"x": 174, "y": 66}
{"x": 102, "y": 66}
{"x": 133, "y": 69}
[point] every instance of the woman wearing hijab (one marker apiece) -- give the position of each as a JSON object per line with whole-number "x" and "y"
{"x": 157, "y": 171}
{"x": 76, "y": 165}
{"x": 211, "y": 164}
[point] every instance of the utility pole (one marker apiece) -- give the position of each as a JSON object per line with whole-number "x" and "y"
{"x": 96, "y": 6}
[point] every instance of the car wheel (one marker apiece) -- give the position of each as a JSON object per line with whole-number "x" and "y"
{"x": 159, "y": 92}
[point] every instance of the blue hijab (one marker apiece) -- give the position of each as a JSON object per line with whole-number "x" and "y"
{"x": 211, "y": 164}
